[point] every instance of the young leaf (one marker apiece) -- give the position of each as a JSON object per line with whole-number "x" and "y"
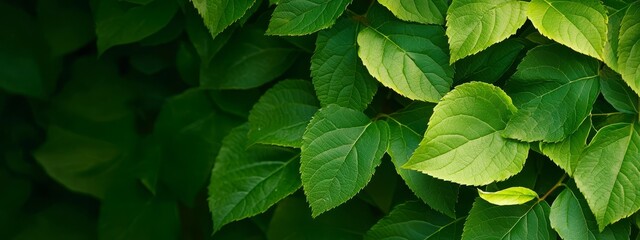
{"x": 607, "y": 173}
{"x": 629, "y": 47}
{"x": 617, "y": 92}
{"x": 583, "y": 24}
{"x": 571, "y": 218}
{"x": 554, "y": 89}
{"x": 247, "y": 181}
{"x": 341, "y": 149}
{"x": 425, "y": 12}
{"x": 301, "y": 17}
{"x": 249, "y": 60}
{"x": 490, "y": 64}
{"x": 219, "y": 14}
{"x": 113, "y": 21}
{"x": 528, "y": 221}
{"x": 463, "y": 142}
{"x": 414, "y": 220}
{"x": 474, "y": 25}
{"x": 509, "y": 196}
{"x": 282, "y": 114}
{"x": 411, "y": 59}
{"x": 338, "y": 74}
{"x": 407, "y": 128}
{"x": 566, "y": 154}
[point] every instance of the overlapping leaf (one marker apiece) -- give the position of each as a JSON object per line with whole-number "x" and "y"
{"x": 474, "y": 25}
{"x": 490, "y": 64}
{"x": 338, "y": 74}
{"x": 426, "y": 12}
{"x": 282, "y": 114}
{"x": 247, "y": 181}
{"x": 300, "y": 17}
{"x": 528, "y": 221}
{"x": 408, "y": 58}
{"x": 571, "y": 218}
{"x": 607, "y": 173}
{"x": 554, "y": 89}
{"x": 463, "y": 142}
{"x": 629, "y": 47}
{"x": 414, "y": 220}
{"x": 580, "y": 25}
{"x": 407, "y": 128}
{"x": 566, "y": 154}
{"x": 341, "y": 149}
{"x": 219, "y": 14}
{"x": 617, "y": 92}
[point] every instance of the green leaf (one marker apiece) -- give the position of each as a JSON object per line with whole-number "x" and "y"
{"x": 617, "y": 92}
{"x": 247, "y": 180}
{"x": 554, "y": 89}
{"x": 129, "y": 212}
{"x": 566, "y": 154}
{"x": 629, "y": 47}
{"x": 580, "y": 25}
{"x": 249, "y": 60}
{"x": 474, "y": 25}
{"x": 292, "y": 220}
{"x": 301, "y": 17}
{"x": 407, "y": 128}
{"x": 426, "y": 12}
{"x": 114, "y": 21}
{"x": 59, "y": 220}
{"x": 414, "y": 220}
{"x": 571, "y": 218}
{"x": 490, "y": 64}
{"x": 613, "y": 34}
{"x": 340, "y": 151}
{"x": 66, "y": 25}
{"x": 528, "y": 221}
{"x": 219, "y": 14}
{"x": 411, "y": 59}
{"x": 338, "y": 74}
{"x": 282, "y": 114}
{"x": 463, "y": 142}
{"x": 509, "y": 196}
{"x": 607, "y": 173}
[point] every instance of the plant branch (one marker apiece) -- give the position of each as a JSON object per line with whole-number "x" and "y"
{"x": 552, "y": 189}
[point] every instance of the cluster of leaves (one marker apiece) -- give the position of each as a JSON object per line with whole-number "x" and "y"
{"x": 320, "y": 119}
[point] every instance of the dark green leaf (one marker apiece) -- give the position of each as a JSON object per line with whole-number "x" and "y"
{"x": 66, "y": 24}
{"x": 554, "y": 90}
{"x": 281, "y": 115}
{"x": 617, "y": 92}
{"x": 489, "y": 65}
{"x": 219, "y": 14}
{"x": 300, "y": 17}
{"x": 248, "y": 180}
{"x": 338, "y": 74}
{"x": 341, "y": 149}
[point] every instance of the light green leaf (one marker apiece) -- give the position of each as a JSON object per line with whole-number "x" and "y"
{"x": 566, "y": 154}
{"x": 580, "y": 25}
{"x": 608, "y": 175}
{"x": 249, "y": 60}
{"x": 130, "y": 212}
{"x": 282, "y": 114}
{"x": 571, "y": 218}
{"x": 528, "y": 221}
{"x": 613, "y": 33}
{"x": 338, "y": 74}
{"x": 414, "y": 220}
{"x": 219, "y": 14}
{"x": 407, "y": 128}
{"x": 474, "y": 25}
{"x": 554, "y": 89}
{"x": 490, "y": 64}
{"x": 420, "y": 11}
{"x": 341, "y": 149}
{"x": 247, "y": 180}
{"x": 617, "y": 92}
{"x": 509, "y": 196}
{"x": 629, "y": 47}
{"x": 301, "y": 17}
{"x": 114, "y": 21}
{"x": 411, "y": 59}
{"x": 463, "y": 142}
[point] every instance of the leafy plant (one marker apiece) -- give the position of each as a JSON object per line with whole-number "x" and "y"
{"x": 318, "y": 119}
